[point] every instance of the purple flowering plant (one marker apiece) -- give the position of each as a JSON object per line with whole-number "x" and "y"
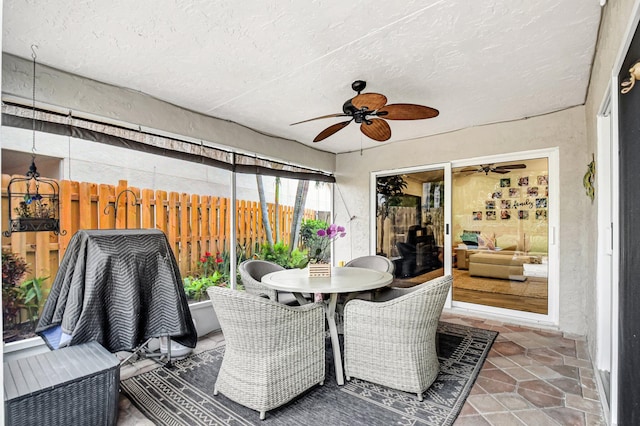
{"x": 319, "y": 245}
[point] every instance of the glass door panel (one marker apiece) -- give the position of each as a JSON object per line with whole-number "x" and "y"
{"x": 500, "y": 234}
{"x": 410, "y": 223}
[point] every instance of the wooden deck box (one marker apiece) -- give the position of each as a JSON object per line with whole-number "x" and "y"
{"x": 77, "y": 385}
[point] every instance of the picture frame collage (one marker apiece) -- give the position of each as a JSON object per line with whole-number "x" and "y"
{"x": 517, "y": 199}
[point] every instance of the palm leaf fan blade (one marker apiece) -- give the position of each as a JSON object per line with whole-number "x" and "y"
{"x": 511, "y": 166}
{"x": 378, "y": 130}
{"x": 331, "y": 130}
{"x": 407, "y": 112}
{"x": 370, "y": 101}
{"x": 319, "y": 118}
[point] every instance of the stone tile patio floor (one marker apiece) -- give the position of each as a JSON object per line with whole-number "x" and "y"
{"x": 531, "y": 377}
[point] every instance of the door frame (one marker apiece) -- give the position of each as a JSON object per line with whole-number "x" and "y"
{"x": 607, "y": 252}
{"x": 553, "y": 301}
{"x": 612, "y": 93}
{"x": 446, "y": 167}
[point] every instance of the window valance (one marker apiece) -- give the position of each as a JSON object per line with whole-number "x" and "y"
{"x": 81, "y": 128}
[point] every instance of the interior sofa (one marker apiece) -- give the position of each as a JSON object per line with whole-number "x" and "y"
{"x": 498, "y": 265}
{"x": 484, "y": 258}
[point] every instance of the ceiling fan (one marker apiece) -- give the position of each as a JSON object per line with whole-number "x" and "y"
{"x": 486, "y": 168}
{"x": 370, "y": 110}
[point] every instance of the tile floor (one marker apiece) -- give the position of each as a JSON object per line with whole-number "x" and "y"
{"x": 531, "y": 377}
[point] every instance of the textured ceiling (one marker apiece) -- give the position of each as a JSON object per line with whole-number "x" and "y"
{"x": 266, "y": 64}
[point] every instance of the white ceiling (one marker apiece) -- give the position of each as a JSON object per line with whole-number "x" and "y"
{"x": 266, "y": 64}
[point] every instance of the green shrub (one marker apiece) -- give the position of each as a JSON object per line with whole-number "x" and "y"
{"x": 212, "y": 270}
{"x": 196, "y": 288}
{"x": 309, "y": 230}
{"x": 280, "y": 255}
{"x": 32, "y": 297}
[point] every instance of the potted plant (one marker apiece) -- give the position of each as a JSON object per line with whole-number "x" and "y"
{"x": 319, "y": 249}
{"x": 35, "y": 214}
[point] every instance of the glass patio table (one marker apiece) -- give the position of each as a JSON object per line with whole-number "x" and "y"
{"x": 342, "y": 280}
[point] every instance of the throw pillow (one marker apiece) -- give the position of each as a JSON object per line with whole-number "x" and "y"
{"x": 486, "y": 242}
{"x": 469, "y": 238}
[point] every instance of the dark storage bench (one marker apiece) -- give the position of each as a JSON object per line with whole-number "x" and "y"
{"x": 77, "y": 385}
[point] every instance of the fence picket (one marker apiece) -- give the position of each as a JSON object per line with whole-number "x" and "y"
{"x": 194, "y": 224}
{"x": 121, "y": 205}
{"x": 106, "y": 220}
{"x": 162, "y": 208}
{"x": 147, "y": 209}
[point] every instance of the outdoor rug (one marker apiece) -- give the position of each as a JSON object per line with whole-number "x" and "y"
{"x": 183, "y": 395}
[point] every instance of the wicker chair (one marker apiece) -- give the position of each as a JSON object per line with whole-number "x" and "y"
{"x": 393, "y": 343}
{"x": 379, "y": 263}
{"x": 252, "y": 271}
{"x": 274, "y": 352}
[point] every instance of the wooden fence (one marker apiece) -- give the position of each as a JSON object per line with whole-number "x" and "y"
{"x": 193, "y": 224}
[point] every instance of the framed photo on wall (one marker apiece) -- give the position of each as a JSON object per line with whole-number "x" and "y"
{"x": 532, "y": 191}
{"x": 543, "y": 180}
{"x": 523, "y": 214}
{"x": 514, "y": 192}
{"x": 541, "y": 214}
{"x": 541, "y": 203}
{"x": 523, "y": 181}
{"x": 505, "y": 214}
{"x": 490, "y": 204}
{"x": 477, "y": 215}
{"x": 505, "y": 182}
{"x": 497, "y": 195}
{"x": 505, "y": 204}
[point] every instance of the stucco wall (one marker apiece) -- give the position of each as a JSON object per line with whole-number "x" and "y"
{"x": 564, "y": 130}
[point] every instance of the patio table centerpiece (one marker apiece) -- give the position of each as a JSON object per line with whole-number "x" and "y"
{"x": 319, "y": 251}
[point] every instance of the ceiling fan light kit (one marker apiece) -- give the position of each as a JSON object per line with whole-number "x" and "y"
{"x": 370, "y": 110}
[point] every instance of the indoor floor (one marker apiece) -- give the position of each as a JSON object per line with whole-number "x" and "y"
{"x": 527, "y": 296}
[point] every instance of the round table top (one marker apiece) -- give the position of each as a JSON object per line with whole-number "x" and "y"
{"x": 342, "y": 280}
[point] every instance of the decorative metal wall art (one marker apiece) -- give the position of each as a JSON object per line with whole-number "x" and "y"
{"x": 634, "y": 74}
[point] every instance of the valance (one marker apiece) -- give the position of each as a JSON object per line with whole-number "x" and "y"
{"x": 67, "y": 125}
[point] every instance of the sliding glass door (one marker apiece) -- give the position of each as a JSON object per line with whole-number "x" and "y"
{"x": 488, "y": 222}
{"x": 411, "y": 210}
{"x": 502, "y": 212}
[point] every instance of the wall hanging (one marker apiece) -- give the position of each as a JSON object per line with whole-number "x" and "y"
{"x": 589, "y": 179}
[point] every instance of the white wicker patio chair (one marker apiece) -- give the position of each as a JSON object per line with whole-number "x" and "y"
{"x": 273, "y": 353}
{"x": 379, "y": 263}
{"x": 393, "y": 343}
{"x": 252, "y": 271}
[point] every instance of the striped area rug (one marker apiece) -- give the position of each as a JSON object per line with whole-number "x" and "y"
{"x": 183, "y": 395}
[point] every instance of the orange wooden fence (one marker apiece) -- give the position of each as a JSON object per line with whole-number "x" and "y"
{"x": 193, "y": 224}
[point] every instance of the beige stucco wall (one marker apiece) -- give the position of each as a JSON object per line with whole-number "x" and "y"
{"x": 564, "y": 130}
{"x": 615, "y": 21}
{"x": 86, "y": 96}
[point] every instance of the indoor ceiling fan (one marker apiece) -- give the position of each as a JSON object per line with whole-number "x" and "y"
{"x": 486, "y": 168}
{"x": 370, "y": 110}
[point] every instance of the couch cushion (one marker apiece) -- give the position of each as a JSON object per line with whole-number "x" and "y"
{"x": 498, "y": 259}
